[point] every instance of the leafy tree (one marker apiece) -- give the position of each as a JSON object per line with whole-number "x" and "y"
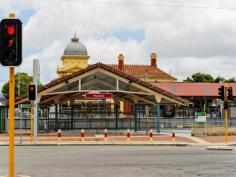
{"x": 200, "y": 77}
{"x": 219, "y": 79}
{"x": 25, "y": 79}
{"x": 231, "y": 79}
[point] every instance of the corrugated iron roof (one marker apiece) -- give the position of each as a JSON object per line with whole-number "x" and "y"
{"x": 186, "y": 89}
{"x": 121, "y": 74}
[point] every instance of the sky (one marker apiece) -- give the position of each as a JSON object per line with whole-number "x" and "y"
{"x": 189, "y": 36}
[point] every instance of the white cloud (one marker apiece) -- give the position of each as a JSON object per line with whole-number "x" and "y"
{"x": 187, "y": 40}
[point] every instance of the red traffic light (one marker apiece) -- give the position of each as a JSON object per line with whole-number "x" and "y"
{"x": 11, "y": 42}
{"x": 31, "y": 92}
{"x": 31, "y": 87}
{"x": 11, "y": 30}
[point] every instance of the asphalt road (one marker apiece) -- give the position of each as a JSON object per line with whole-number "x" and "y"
{"x": 120, "y": 161}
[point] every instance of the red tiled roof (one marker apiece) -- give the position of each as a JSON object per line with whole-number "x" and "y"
{"x": 141, "y": 71}
{"x": 194, "y": 89}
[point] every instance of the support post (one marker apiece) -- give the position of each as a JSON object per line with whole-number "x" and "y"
{"x": 12, "y": 121}
{"x": 32, "y": 124}
{"x": 56, "y": 117}
{"x": 72, "y": 117}
{"x": 158, "y": 117}
{"x": 36, "y": 102}
{"x": 36, "y": 115}
{"x": 135, "y": 117}
{"x": 117, "y": 115}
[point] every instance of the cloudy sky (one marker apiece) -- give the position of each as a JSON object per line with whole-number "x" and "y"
{"x": 188, "y": 35}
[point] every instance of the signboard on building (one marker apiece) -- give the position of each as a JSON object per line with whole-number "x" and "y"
{"x": 98, "y": 96}
{"x": 200, "y": 116}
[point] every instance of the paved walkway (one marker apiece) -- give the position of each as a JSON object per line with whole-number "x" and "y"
{"x": 122, "y": 139}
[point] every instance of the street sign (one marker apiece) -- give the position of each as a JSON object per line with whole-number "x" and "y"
{"x": 200, "y": 116}
{"x": 98, "y": 96}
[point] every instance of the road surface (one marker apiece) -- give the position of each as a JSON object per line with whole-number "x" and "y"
{"x": 120, "y": 161}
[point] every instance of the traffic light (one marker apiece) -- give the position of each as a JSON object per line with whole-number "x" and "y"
{"x": 226, "y": 104}
{"x": 31, "y": 92}
{"x": 221, "y": 93}
{"x": 230, "y": 93}
{"x": 10, "y": 42}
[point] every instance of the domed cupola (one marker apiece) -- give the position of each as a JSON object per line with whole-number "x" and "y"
{"x": 75, "y": 48}
{"x": 75, "y": 57}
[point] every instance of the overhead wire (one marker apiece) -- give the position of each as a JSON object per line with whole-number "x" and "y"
{"x": 159, "y": 4}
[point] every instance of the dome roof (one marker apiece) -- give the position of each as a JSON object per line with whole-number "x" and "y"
{"x": 75, "y": 48}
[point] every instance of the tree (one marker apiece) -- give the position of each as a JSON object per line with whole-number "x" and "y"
{"x": 219, "y": 79}
{"x": 200, "y": 77}
{"x": 232, "y": 79}
{"x": 25, "y": 80}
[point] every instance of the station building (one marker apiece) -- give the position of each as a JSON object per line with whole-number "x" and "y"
{"x": 117, "y": 96}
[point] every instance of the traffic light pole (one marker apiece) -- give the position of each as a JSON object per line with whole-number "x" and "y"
{"x": 226, "y": 112}
{"x": 226, "y": 125}
{"x": 12, "y": 117}
{"x": 12, "y": 121}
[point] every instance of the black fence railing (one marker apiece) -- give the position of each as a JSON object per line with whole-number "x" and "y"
{"x": 143, "y": 124}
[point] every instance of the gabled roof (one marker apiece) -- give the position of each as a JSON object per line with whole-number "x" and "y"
{"x": 184, "y": 89}
{"x": 142, "y": 71}
{"x": 118, "y": 72}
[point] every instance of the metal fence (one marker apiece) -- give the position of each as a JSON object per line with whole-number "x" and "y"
{"x": 98, "y": 123}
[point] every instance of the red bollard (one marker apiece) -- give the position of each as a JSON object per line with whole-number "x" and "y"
{"x": 128, "y": 135}
{"x": 173, "y": 135}
{"x": 151, "y": 134}
{"x": 82, "y": 134}
{"x": 105, "y": 134}
{"x": 59, "y": 133}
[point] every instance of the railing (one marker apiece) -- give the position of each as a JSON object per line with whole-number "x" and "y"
{"x": 100, "y": 123}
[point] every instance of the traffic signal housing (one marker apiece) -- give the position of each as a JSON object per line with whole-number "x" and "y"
{"x": 31, "y": 92}
{"x": 226, "y": 105}
{"x": 230, "y": 93}
{"x": 10, "y": 42}
{"x": 221, "y": 93}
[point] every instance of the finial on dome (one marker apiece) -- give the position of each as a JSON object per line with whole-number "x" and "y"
{"x": 75, "y": 38}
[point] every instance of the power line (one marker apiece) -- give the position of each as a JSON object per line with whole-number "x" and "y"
{"x": 153, "y": 5}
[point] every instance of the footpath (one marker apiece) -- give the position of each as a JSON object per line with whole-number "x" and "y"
{"x": 117, "y": 139}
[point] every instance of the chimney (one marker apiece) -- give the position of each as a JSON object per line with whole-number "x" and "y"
{"x": 121, "y": 61}
{"x": 153, "y": 57}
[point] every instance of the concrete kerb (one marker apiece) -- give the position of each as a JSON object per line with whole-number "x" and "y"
{"x": 102, "y": 144}
{"x": 16, "y": 176}
{"x": 220, "y": 148}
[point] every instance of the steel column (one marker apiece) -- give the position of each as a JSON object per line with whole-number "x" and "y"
{"x": 135, "y": 117}
{"x": 158, "y": 117}
{"x": 56, "y": 117}
{"x": 72, "y": 117}
{"x": 117, "y": 115}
